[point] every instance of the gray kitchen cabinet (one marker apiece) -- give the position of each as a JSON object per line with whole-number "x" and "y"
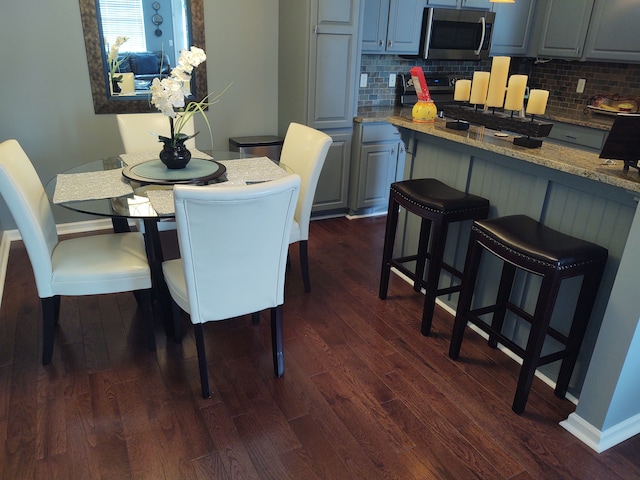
{"x": 318, "y": 63}
{"x": 484, "y": 4}
{"x": 332, "y": 193}
{"x": 563, "y": 28}
{"x": 513, "y": 28}
{"x": 392, "y": 26}
{"x": 569, "y": 135}
{"x": 613, "y": 31}
{"x": 377, "y": 161}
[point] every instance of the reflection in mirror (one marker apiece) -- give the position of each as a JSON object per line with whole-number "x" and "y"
{"x": 148, "y": 52}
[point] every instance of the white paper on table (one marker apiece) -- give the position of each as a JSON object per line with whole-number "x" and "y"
{"x": 250, "y": 170}
{"x": 71, "y": 187}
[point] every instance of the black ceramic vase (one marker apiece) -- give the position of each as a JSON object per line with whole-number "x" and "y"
{"x": 115, "y": 86}
{"x": 175, "y": 156}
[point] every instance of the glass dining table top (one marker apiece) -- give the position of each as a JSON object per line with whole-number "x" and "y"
{"x": 135, "y": 203}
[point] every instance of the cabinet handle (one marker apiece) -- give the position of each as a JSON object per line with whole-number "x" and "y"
{"x": 572, "y": 137}
{"x": 389, "y": 43}
{"x": 393, "y": 150}
{"x": 380, "y": 43}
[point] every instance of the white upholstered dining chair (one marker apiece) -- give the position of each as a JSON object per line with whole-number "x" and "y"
{"x": 90, "y": 265}
{"x": 233, "y": 246}
{"x": 303, "y": 153}
{"x": 137, "y": 129}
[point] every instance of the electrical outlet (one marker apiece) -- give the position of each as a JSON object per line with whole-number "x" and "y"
{"x": 392, "y": 80}
{"x": 581, "y": 84}
{"x": 363, "y": 80}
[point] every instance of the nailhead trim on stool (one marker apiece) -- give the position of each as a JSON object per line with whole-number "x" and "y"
{"x": 437, "y": 205}
{"x": 525, "y": 244}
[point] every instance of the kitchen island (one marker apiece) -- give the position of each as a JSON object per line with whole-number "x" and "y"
{"x": 572, "y": 191}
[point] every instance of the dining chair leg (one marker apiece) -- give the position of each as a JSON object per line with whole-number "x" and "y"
{"x": 176, "y": 317}
{"x": 276, "y": 341}
{"x": 202, "y": 360}
{"x": 147, "y": 310}
{"x": 50, "y": 313}
{"x": 56, "y": 310}
{"x": 304, "y": 264}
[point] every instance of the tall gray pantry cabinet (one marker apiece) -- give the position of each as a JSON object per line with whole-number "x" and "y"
{"x": 318, "y": 64}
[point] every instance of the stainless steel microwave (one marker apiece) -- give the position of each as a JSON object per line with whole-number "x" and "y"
{"x": 449, "y": 34}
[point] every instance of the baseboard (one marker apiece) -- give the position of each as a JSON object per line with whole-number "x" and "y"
{"x": 601, "y": 440}
{"x": 365, "y": 215}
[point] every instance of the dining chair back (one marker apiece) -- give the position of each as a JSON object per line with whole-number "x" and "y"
{"x": 233, "y": 253}
{"x": 89, "y": 265}
{"x": 304, "y": 152}
{"x": 139, "y": 131}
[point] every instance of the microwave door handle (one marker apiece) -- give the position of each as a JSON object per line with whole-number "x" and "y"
{"x": 484, "y": 29}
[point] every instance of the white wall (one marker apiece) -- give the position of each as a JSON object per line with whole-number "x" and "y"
{"x": 45, "y": 96}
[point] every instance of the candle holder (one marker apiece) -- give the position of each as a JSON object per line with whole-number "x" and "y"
{"x": 527, "y": 127}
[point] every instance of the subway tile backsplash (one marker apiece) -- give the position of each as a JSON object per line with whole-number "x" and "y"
{"x": 560, "y": 77}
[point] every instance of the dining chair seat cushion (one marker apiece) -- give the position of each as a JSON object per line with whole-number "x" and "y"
{"x": 174, "y": 278}
{"x": 109, "y": 263}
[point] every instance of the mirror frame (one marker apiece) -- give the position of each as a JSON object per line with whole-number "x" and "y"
{"x": 103, "y": 101}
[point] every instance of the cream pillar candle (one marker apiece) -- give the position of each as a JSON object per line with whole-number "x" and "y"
{"x": 479, "y": 87}
{"x": 498, "y": 81}
{"x": 462, "y": 90}
{"x": 515, "y": 92}
{"x": 537, "y": 103}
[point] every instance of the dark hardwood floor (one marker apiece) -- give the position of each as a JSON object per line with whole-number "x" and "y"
{"x": 365, "y": 396}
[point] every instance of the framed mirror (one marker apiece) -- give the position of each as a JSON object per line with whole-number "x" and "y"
{"x": 137, "y": 99}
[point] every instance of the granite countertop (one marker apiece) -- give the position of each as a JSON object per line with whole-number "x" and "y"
{"x": 565, "y": 159}
{"x": 590, "y": 120}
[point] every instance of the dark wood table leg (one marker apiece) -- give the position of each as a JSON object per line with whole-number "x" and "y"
{"x": 155, "y": 256}
{"x": 120, "y": 224}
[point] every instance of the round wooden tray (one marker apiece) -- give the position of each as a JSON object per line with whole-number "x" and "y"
{"x": 156, "y": 173}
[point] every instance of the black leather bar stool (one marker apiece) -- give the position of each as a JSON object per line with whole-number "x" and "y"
{"x": 437, "y": 205}
{"x": 523, "y": 243}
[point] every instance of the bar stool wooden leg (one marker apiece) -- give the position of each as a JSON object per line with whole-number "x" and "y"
{"x": 438, "y": 242}
{"x": 423, "y": 245}
{"x": 471, "y": 267}
{"x": 504, "y": 292}
{"x": 387, "y": 251}
{"x": 586, "y": 300}
{"x": 539, "y": 327}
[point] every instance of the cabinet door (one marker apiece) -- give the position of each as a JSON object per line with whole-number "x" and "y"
{"x": 377, "y": 172}
{"x": 512, "y": 28}
{"x": 332, "y": 192}
{"x": 613, "y": 31}
{"x": 564, "y": 28}
{"x": 486, "y": 4}
{"x": 442, "y": 3}
{"x": 374, "y": 29}
{"x": 405, "y": 26}
{"x": 332, "y": 92}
